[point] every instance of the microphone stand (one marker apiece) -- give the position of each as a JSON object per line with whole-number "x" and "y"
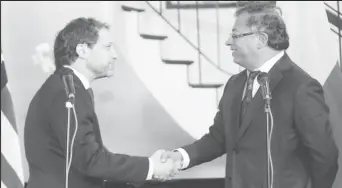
{"x": 269, "y": 129}
{"x": 68, "y": 105}
{"x": 266, "y": 94}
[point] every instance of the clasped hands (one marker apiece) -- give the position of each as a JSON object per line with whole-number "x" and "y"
{"x": 166, "y": 164}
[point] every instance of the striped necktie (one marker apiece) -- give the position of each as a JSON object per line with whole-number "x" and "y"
{"x": 248, "y": 93}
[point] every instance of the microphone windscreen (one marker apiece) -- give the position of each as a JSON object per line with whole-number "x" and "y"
{"x": 69, "y": 85}
{"x": 263, "y": 78}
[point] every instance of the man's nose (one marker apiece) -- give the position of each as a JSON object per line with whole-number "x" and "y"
{"x": 230, "y": 41}
{"x": 114, "y": 54}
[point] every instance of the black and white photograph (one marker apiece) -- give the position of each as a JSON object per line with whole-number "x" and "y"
{"x": 171, "y": 94}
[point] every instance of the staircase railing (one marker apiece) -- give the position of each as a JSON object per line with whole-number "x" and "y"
{"x": 335, "y": 20}
{"x": 178, "y": 30}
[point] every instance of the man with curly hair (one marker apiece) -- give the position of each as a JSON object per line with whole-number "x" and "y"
{"x": 303, "y": 150}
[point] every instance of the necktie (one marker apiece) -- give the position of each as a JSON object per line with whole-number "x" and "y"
{"x": 248, "y": 93}
{"x": 91, "y": 93}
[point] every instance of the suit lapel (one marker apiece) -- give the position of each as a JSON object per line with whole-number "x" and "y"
{"x": 239, "y": 84}
{"x": 97, "y": 131}
{"x": 275, "y": 76}
{"x": 78, "y": 84}
{"x": 96, "y": 126}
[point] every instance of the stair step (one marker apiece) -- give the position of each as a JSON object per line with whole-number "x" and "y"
{"x": 205, "y": 85}
{"x": 177, "y": 62}
{"x": 129, "y": 8}
{"x": 153, "y": 37}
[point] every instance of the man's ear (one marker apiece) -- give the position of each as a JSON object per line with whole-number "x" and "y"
{"x": 82, "y": 50}
{"x": 263, "y": 40}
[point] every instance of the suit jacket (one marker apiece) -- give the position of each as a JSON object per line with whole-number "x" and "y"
{"x": 45, "y": 142}
{"x": 303, "y": 149}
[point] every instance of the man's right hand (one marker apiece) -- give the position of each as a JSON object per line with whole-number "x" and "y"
{"x": 163, "y": 169}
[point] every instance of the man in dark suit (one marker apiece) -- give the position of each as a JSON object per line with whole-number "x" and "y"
{"x": 302, "y": 146}
{"x": 83, "y": 49}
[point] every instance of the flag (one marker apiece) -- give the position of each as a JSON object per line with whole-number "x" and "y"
{"x": 12, "y": 173}
{"x": 314, "y": 46}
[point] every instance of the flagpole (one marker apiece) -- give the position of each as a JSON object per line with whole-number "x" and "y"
{"x": 339, "y": 33}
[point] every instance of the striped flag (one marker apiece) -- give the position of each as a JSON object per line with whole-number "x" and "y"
{"x": 315, "y": 46}
{"x": 12, "y": 175}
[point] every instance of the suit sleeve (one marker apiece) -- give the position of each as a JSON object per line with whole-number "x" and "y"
{"x": 211, "y": 145}
{"x": 89, "y": 158}
{"x": 312, "y": 122}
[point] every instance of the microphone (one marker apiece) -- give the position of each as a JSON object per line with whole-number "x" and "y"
{"x": 69, "y": 87}
{"x": 265, "y": 88}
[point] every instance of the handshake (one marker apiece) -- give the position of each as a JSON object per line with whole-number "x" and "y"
{"x": 166, "y": 164}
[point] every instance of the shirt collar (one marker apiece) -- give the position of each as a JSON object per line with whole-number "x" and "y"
{"x": 266, "y": 67}
{"x": 83, "y": 79}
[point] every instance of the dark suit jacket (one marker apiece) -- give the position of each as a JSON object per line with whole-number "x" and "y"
{"x": 302, "y": 144}
{"x": 45, "y": 142}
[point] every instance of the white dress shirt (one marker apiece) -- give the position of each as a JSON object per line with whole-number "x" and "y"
{"x": 266, "y": 67}
{"x": 86, "y": 85}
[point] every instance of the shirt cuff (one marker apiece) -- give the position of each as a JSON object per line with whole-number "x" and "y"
{"x": 150, "y": 169}
{"x": 186, "y": 158}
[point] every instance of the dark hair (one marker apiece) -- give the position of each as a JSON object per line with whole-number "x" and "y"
{"x": 266, "y": 17}
{"x": 77, "y": 31}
